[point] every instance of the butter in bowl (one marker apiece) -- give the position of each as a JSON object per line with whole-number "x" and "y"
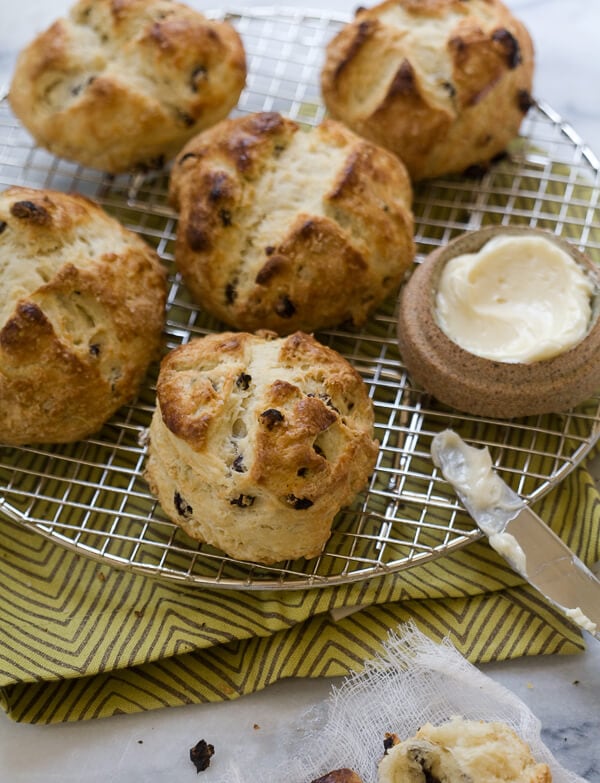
{"x": 503, "y": 322}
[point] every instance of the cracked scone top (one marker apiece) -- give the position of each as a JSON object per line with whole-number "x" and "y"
{"x": 444, "y": 84}
{"x": 257, "y": 442}
{"x": 123, "y": 84}
{"x": 80, "y": 319}
{"x": 288, "y": 229}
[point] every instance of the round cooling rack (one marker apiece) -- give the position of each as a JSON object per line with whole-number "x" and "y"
{"x": 91, "y": 496}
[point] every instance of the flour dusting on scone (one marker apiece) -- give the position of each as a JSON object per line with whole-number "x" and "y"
{"x": 444, "y": 84}
{"x": 81, "y": 315}
{"x": 258, "y": 441}
{"x": 288, "y": 229}
{"x": 120, "y": 86}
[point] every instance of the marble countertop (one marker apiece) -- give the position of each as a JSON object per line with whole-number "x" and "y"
{"x": 564, "y": 692}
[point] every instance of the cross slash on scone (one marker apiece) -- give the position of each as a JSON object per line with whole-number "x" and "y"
{"x": 257, "y": 442}
{"x": 121, "y": 86}
{"x": 81, "y": 315}
{"x": 288, "y": 229}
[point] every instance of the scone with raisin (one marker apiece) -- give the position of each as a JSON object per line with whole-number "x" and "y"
{"x": 289, "y": 229}
{"x": 258, "y": 441}
{"x": 443, "y": 84}
{"x": 469, "y": 751}
{"x": 80, "y": 319}
{"x": 120, "y": 86}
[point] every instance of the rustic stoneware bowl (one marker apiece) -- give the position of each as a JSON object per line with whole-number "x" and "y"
{"x": 481, "y": 386}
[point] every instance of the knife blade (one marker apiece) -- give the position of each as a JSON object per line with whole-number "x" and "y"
{"x": 517, "y": 533}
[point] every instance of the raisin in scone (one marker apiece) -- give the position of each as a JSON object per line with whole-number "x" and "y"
{"x": 444, "y": 84}
{"x": 80, "y": 319}
{"x": 257, "y": 442}
{"x": 119, "y": 86}
{"x": 289, "y": 229}
{"x": 462, "y": 751}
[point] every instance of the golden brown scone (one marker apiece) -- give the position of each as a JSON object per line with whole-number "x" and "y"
{"x": 258, "y": 441}
{"x": 289, "y": 230}
{"x": 123, "y": 84}
{"x": 80, "y": 319}
{"x": 344, "y": 775}
{"x": 444, "y": 84}
{"x": 463, "y": 751}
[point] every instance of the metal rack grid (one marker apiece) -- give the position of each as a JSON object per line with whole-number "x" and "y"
{"x": 91, "y": 497}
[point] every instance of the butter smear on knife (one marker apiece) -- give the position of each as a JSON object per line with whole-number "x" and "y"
{"x": 483, "y": 492}
{"x": 494, "y": 505}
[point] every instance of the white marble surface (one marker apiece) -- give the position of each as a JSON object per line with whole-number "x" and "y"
{"x": 564, "y": 692}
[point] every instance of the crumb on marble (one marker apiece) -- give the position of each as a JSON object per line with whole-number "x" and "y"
{"x": 201, "y": 754}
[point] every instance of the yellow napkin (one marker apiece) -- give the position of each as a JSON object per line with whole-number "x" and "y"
{"x": 80, "y": 640}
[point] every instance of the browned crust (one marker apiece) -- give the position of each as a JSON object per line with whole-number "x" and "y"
{"x": 76, "y": 347}
{"x": 237, "y": 145}
{"x": 255, "y": 449}
{"x": 361, "y": 33}
{"x": 119, "y": 86}
{"x": 360, "y": 244}
{"x": 471, "y": 115}
{"x": 188, "y": 409}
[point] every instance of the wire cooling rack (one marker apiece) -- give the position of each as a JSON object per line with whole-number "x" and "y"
{"x": 91, "y": 496}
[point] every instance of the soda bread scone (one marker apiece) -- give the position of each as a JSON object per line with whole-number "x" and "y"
{"x": 258, "y": 441}
{"x": 81, "y": 315}
{"x": 289, "y": 229}
{"x": 444, "y": 84}
{"x": 462, "y": 751}
{"x": 119, "y": 86}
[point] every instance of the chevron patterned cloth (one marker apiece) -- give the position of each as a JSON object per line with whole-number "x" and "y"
{"x": 80, "y": 640}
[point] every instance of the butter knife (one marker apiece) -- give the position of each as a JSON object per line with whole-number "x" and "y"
{"x": 517, "y": 533}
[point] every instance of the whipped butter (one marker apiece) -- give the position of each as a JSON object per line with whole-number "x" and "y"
{"x": 518, "y": 299}
{"x": 485, "y": 495}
